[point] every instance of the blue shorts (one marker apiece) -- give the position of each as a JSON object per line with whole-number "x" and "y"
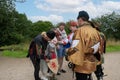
{"x": 61, "y": 51}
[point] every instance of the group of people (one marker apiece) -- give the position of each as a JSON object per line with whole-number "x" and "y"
{"x": 84, "y": 47}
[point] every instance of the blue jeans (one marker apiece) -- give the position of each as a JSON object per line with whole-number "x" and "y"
{"x": 61, "y": 51}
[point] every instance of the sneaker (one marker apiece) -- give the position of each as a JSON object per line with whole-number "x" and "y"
{"x": 58, "y": 73}
{"x": 63, "y": 71}
{"x": 49, "y": 74}
{"x": 44, "y": 78}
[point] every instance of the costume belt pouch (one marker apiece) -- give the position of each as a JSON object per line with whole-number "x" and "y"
{"x": 75, "y": 55}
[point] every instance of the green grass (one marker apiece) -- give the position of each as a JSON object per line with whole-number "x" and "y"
{"x": 113, "y": 48}
{"x": 16, "y": 47}
{"x": 21, "y": 50}
{"x": 113, "y": 45}
{"x": 16, "y": 51}
{"x": 15, "y": 54}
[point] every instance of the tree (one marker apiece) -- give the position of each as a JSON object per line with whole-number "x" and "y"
{"x": 39, "y": 27}
{"x": 6, "y": 20}
{"x": 22, "y": 24}
{"x": 110, "y": 25}
{"x": 14, "y": 27}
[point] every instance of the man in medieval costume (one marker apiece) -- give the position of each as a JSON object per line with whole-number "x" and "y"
{"x": 85, "y": 44}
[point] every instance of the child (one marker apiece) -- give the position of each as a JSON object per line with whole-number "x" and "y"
{"x": 51, "y": 54}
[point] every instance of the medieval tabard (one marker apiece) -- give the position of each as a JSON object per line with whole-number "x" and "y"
{"x": 81, "y": 51}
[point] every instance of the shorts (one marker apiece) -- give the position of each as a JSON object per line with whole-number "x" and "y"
{"x": 61, "y": 51}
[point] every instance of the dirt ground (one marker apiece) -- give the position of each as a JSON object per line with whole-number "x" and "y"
{"x": 22, "y": 69}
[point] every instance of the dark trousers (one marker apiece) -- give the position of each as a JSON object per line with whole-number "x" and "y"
{"x": 99, "y": 72}
{"x": 82, "y": 76}
{"x": 36, "y": 64}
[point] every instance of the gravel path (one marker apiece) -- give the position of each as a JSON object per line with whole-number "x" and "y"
{"x": 22, "y": 69}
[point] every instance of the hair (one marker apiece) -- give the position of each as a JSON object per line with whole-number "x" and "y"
{"x": 95, "y": 25}
{"x": 84, "y": 19}
{"x": 50, "y": 34}
{"x": 84, "y": 15}
{"x": 43, "y": 33}
{"x": 61, "y": 24}
{"x": 72, "y": 23}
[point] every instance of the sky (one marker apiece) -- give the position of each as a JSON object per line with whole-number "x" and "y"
{"x": 57, "y": 11}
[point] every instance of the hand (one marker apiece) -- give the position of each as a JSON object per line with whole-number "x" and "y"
{"x": 58, "y": 47}
{"x": 95, "y": 47}
{"x": 47, "y": 60}
{"x": 66, "y": 50}
{"x": 59, "y": 42}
